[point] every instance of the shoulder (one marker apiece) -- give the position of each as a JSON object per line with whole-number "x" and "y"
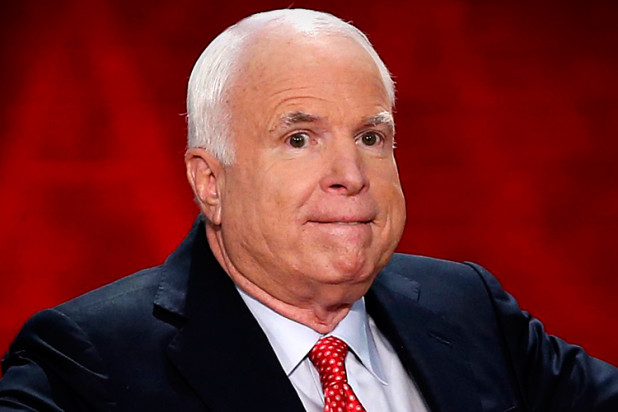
{"x": 131, "y": 295}
{"x": 123, "y": 321}
{"x": 425, "y": 268}
{"x": 93, "y": 345}
{"x": 439, "y": 279}
{"x": 549, "y": 374}
{"x": 104, "y": 315}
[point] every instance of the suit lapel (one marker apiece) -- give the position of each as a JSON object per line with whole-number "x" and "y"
{"x": 431, "y": 349}
{"x": 221, "y": 350}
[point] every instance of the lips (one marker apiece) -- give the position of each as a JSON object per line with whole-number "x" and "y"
{"x": 344, "y": 214}
{"x": 343, "y": 220}
{"x": 339, "y": 222}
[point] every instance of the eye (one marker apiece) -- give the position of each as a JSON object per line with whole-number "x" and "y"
{"x": 370, "y": 138}
{"x": 298, "y": 140}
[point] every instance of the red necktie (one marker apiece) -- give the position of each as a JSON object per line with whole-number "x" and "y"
{"x": 328, "y": 357}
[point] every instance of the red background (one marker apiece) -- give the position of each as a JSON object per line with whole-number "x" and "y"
{"x": 507, "y": 130}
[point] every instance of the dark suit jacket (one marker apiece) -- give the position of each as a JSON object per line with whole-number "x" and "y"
{"x": 178, "y": 337}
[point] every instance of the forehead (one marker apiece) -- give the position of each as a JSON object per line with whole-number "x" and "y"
{"x": 281, "y": 72}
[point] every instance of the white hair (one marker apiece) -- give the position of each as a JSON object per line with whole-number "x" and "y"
{"x": 208, "y": 119}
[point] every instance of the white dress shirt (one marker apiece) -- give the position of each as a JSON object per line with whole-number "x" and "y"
{"x": 374, "y": 370}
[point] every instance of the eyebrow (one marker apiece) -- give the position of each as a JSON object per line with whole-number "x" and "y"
{"x": 382, "y": 118}
{"x": 297, "y": 117}
{"x": 292, "y": 118}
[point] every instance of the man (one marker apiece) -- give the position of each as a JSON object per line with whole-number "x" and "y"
{"x": 287, "y": 280}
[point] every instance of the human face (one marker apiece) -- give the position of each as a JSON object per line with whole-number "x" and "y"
{"x": 312, "y": 207}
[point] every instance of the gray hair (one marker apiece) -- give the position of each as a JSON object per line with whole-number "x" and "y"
{"x": 208, "y": 119}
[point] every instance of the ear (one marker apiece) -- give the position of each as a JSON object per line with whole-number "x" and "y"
{"x": 206, "y": 177}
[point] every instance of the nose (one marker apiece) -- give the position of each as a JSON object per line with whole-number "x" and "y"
{"x": 345, "y": 172}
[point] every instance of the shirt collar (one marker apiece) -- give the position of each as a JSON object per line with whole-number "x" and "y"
{"x": 292, "y": 341}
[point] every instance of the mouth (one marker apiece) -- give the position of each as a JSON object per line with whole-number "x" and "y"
{"x": 341, "y": 222}
{"x": 363, "y": 222}
{"x": 342, "y": 231}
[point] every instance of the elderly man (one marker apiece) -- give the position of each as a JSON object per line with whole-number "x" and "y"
{"x": 286, "y": 296}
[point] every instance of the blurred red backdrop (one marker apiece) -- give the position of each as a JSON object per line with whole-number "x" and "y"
{"x": 507, "y": 129}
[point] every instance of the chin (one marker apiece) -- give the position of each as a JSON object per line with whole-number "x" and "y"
{"x": 352, "y": 269}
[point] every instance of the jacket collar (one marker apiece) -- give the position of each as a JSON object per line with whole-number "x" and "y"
{"x": 175, "y": 272}
{"x": 432, "y": 349}
{"x": 220, "y": 349}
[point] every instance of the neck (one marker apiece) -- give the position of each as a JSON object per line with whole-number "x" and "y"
{"x": 321, "y": 319}
{"x": 320, "y": 316}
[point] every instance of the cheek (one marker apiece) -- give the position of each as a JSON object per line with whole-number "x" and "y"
{"x": 262, "y": 206}
{"x": 389, "y": 195}
{"x": 285, "y": 190}
{"x": 385, "y": 182}
{"x": 240, "y": 200}
{"x": 398, "y": 204}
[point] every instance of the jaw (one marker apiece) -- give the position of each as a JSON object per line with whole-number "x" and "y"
{"x": 313, "y": 278}
{"x": 317, "y": 303}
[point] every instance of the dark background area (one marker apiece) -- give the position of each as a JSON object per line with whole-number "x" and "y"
{"x": 507, "y": 121}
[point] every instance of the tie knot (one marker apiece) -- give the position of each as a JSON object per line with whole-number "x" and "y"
{"x": 328, "y": 356}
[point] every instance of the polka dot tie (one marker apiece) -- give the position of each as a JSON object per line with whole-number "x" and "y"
{"x": 328, "y": 357}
